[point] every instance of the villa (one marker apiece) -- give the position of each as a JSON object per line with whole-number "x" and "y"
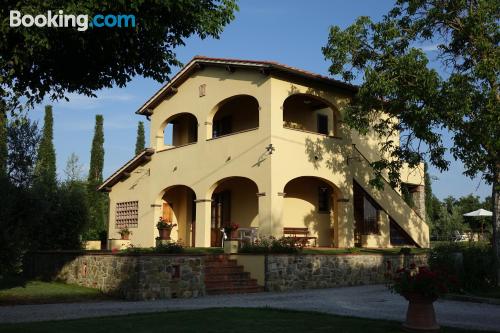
{"x": 262, "y": 145}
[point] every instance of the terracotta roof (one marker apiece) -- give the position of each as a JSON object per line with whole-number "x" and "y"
{"x": 267, "y": 66}
{"x": 123, "y": 172}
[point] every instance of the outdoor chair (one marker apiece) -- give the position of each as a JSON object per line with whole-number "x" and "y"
{"x": 459, "y": 237}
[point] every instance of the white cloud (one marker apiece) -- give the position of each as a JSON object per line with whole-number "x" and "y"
{"x": 429, "y": 48}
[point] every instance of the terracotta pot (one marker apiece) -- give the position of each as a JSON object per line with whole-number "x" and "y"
{"x": 164, "y": 233}
{"x": 234, "y": 234}
{"x": 420, "y": 315}
{"x": 125, "y": 236}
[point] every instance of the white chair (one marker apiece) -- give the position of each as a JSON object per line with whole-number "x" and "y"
{"x": 458, "y": 237}
{"x": 249, "y": 235}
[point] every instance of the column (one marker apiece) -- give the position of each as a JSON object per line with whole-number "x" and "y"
{"x": 203, "y": 222}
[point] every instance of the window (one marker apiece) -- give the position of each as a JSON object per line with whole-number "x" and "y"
{"x": 222, "y": 126}
{"x": 322, "y": 124}
{"x": 126, "y": 215}
{"x": 371, "y": 214}
{"x": 324, "y": 199}
{"x": 366, "y": 212}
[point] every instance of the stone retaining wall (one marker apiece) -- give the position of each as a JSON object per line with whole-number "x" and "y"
{"x": 294, "y": 272}
{"x": 158, "y": 276}
{"x": 134, "y": 277}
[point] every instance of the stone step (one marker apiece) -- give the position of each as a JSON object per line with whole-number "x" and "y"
{"x": 226, "y": 276}
{"x": 228, "y": 263}
{"x": 231, "y": 283}
{"x": 223, "y": 270}
{"x": 230, "y": 290}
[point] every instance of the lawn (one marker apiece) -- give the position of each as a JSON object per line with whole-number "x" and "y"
{"x": 395, "y": 250}
{"x": 19, "y": 291}
{"x": 216, "y": 320}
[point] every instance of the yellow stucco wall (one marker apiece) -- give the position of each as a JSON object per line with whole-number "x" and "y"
{"x": 204, "y": 165}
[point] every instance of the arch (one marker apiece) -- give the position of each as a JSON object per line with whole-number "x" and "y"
{"x": 234, "y": 200}
{"x": 311, "y": 202}
{"x": 177, "y": 204}
{"x": 178, "y": 130}
{"x": 232, "y": 115}
{"x": 310, "y": 113}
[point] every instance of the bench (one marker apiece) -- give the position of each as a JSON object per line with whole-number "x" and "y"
{"x": 299, "y": 235}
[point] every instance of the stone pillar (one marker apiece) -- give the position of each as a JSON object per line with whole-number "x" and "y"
{"x": 203, "y": 223}
{"x": 418, "y": 196}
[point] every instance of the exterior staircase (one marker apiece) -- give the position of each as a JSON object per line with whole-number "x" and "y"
{"x": 225, "y": 276}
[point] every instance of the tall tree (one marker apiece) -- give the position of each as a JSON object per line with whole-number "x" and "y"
{"x": 97, "y": 201}
{"x": 45, "y": 168}
{"x": 73, "y": 169}
{"x": 23, "y": 137}
{"x": 140, "y": 143}
{"x": 419, "y": 102}
{"x": 34, "y": 67}
{"x": 3, "y": 139}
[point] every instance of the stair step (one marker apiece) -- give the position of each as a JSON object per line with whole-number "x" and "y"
{"x": 230, "y": 290}
{"x": 229, "y": 263}
{"x": 231, "y": 283}
{"x": 223, "y": 270}
{"x": 227, "y": 276}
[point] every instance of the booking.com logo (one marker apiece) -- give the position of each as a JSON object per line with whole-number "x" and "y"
{"x": 61, "y": 20}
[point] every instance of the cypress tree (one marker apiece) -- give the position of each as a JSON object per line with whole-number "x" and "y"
{"x": 97, "y": 153}
{"x": 98, "y": 202}
{"x": 140, "y": 143}
{"x": 3, "y": 139}
{"x": 45, "y": 168}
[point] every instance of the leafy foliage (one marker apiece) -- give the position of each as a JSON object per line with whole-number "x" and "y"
{"x": 140, "y": 143}
{"x": 272, "y": 245}
{"x": 418, "y": 102}
{"x": 45, "y": 168}
{"x": 23, "y": 137}
{"x": 3, "y": 140}
{"x": 470, "y": 262}
{"x": 33, "y": 66}
{"x": 98, "y": 202}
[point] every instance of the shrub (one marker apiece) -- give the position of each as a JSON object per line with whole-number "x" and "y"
{"x": 272, "y": 245}
{"x": 173, "y": 247}
{"x": 472, "y": 263}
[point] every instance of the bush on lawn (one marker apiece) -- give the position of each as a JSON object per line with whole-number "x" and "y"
{"x": 272, "y": 245}
{"x": 475, "y": 269}
{"x": 173, "y": 247}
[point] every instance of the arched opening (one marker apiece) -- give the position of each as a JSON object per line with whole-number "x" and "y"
{"x": 311, "y": 203}
{"x": 178, "y": 206}
{"x": 234, "y": 200}
{"x": 309, "y": 113}
{"x": 234, "y": 114}
{"x": 178, "y": 130}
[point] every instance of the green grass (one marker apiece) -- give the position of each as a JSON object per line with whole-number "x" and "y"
{"x": 217, "y": 320}
{"x": 361, "y": 251}
{"x": 18, "y": 291}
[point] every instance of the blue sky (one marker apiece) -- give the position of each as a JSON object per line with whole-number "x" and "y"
{"x": 290, "y": 32}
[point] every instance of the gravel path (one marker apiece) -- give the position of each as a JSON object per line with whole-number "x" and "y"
{"x": 363, "y": 301}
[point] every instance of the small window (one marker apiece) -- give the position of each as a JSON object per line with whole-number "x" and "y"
{"x": 322, "y": 124}
{"x": 324, "y": 199}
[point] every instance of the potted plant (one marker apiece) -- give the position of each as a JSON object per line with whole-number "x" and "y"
{"x": 165, "y": 228}
{"x": 125, "y": 233}
{"x": 421, "y": 286}
{"x": 231, "y": 230}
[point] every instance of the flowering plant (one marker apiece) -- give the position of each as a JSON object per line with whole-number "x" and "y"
{"x": 124, "y": 232}
{"x": 164, "y": 224}
{"x": 421, "y": 281}
{"x": 230, "y": 228}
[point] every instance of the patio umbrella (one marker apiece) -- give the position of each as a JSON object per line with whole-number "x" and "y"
{"x": 480, "y": 212}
